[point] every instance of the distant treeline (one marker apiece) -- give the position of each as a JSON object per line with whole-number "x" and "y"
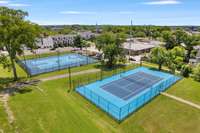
{"x": 136, "y": 30}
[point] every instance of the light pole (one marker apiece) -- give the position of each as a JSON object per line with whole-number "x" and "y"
{"x": 130, "y": 41}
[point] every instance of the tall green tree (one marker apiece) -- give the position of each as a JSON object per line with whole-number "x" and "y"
{"x": 158, "y": 56}
{"x": 189, "y": 42}
{"x": 81, "y": 43}
{"x": 196, "y": 73}
{"x": 15, "y": 33}
{"x": 169, "y": 39}
{"x": 78, "y": 42}
{"x": 111, "y": 45}
{"x": 104, "y": 39}
{"x": 179, "y": 36}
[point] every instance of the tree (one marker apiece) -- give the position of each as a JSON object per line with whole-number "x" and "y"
{"x": 179, "y": 34}
{"x": 104, "y": 39}
{"x": 170, "y": 61}
{"x": 4, "y": 61}
{"x": 140, "y": 34}
{"x": 158, "y": 56}
{"x": 110, "y": 44}
{"x": 170, "y": 40}
{"x": 186, "y": 70}
{"x": 78, "y": 42}
{"x": 85, "y": 44}
{"x": 65, "y": 30}
{"x": 196, "y": 73}
{"x": 15, "y": 33}
{"x": 178, "y": 51}
{"x": 189, "y": 42}
{"x": 155, "y": 34}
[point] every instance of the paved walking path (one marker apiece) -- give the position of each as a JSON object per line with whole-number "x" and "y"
{"x": 181, "y": 100}
{"x": 67, "y": 75}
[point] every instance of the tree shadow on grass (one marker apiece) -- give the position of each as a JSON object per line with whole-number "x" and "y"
{"x": 11, "y": 87}
{"x": 106, "y": 68}
{"x": 155, "y": 69}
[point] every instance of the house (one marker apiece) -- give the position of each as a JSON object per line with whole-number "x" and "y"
{"x": 87, "y": 35}
{"x": 63, "y": 40}
{"x": 137, "y": 46}
{"x": 198, "y": 56}
{"x": 46, "y": 42}
{"x": 196, "y": 60}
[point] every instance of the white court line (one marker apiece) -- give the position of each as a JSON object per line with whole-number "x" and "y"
{"x": 144, "y": 88}
{"x": 131, "y": 82}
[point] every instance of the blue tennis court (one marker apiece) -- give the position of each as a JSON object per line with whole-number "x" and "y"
{"x": 53, "y": 63}
{"x": 131, "y": 85}
{"x": 122, "y": 94}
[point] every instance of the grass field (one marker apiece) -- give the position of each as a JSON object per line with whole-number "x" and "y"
{"x": 4, "y": 125}
{"x": 187, "y": 89}
{"x": 55, "y": 110}
{"x": 50, "y": 108}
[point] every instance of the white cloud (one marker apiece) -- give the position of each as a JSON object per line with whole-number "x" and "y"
{"x": 94, "y": 13}
{"x": 4, "y": 2}
{"x": 77, "y": 12}
{"x": 18, "y": 5}
{"x": 163, "y": 2}
{"x": 9, "y": 3}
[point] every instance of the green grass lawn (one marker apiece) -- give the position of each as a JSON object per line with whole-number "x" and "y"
{"x": 4, "y": 73}
{"x": 4, "y": 124}
{"x": 65, "y": 71}
{"x": 187, "y": 89}
{"x": 22, "y": 74}
{"x": 55, "y": 110}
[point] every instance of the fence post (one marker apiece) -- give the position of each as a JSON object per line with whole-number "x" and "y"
{"x": 91, "y": 94}
{"x": 98, "y": 100}
{"x": 129, "y": 108}
{"x": 84, "y": 91}
{"x": 108, "y": 107}
{"x": 101, "y": 74}
{"x": 120, "y": 114}
{"x": 70, "y": 82}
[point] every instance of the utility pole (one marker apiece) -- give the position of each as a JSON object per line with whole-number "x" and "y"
{"x": 130, "y": 41}
{"x": 70, "y": 79}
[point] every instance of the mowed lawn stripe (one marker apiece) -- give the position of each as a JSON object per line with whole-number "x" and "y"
{"x": 51, "y": 113}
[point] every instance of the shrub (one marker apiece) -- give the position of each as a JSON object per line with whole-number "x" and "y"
{"x": 179, "y": 62}
{"x": 196, "y": 73}
{"x": 186, "y": 70}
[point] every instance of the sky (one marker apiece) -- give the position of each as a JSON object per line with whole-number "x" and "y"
{"x": 115, "y": 12}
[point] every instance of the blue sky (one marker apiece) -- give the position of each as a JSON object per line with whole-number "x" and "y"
{"x": 117, "y": 12}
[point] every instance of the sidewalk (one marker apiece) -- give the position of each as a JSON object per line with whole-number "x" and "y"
{"x": 181, "y": 100}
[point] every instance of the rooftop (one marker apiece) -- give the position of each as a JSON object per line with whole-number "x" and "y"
{"x": 138, "y": 44}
